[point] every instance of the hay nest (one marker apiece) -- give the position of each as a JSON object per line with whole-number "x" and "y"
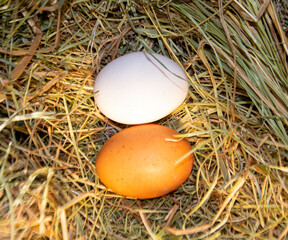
{"x": 235, "y": 118}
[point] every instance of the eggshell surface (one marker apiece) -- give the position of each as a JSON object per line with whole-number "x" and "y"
{"x": 141, "y": 161}
{"x": 139, "y": 88}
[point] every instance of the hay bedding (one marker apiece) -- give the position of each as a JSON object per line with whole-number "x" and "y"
{"x": 235, "y": 117}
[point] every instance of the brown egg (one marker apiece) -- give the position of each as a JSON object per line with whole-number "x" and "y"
{"x": 142, "y": 161}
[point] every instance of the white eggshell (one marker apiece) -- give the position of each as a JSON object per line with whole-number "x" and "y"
{"x": 139, "y": 88}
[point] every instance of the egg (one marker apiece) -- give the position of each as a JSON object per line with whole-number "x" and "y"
{"x": 139, "y": 88}
{"x": 144, "y": 161}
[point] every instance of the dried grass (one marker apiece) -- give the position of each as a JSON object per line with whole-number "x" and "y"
{"x": 235, "y": 117}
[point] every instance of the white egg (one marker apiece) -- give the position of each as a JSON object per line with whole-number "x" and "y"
{"x": 139, "y": 88}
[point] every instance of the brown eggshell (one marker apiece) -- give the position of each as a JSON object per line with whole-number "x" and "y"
{"x": 140, "y": 161}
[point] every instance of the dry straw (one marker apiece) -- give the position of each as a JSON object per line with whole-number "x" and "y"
{"x": 235, "y": 117}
